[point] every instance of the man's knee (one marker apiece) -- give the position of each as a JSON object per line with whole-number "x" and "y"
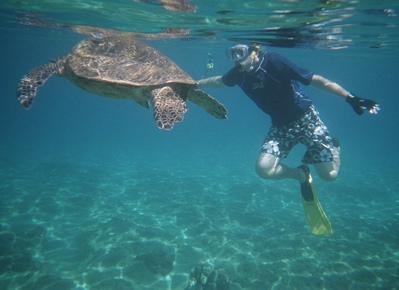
{"x": 328, "y": 175}
{"x": 265, "y": 166}
{"x": 328, "y": 171}
{"x": 263, "y": 171}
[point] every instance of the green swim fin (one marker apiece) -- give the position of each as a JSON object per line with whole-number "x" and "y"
{"x": 315, "y": 216}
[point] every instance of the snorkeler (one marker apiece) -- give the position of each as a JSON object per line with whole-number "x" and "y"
{"x": 272, "y": 82}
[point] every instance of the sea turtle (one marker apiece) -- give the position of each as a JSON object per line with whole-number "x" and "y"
{"x": 119, "y": 65}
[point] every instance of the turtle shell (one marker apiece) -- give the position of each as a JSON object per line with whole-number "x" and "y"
{"x": 124, "y": 60}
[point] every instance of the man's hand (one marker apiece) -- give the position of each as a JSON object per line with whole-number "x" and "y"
{"x": 215, "y": 81}
{"x": 360, "y": 105}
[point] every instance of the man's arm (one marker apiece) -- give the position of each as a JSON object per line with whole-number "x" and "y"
{"x": 359, "y": 105}
{"x": 215, "y": 81}
{"x": 330, "y": 86}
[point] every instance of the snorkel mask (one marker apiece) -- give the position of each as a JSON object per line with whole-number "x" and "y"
{"x": 238, "y": 53}
{"x": 241, "y": 55}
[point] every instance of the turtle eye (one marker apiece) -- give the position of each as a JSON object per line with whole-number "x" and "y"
{"x": 96, "y": 35}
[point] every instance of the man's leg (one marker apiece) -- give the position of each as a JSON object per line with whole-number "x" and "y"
{"x": 328, "y": 170}
{"x": 323, "y": 151}
{"x": 269, "y": 166}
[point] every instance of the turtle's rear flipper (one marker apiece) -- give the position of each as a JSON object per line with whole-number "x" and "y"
{"x": 168, "y": 107}
{"x": 28, "y": 85}
{"x": 208, "y": 103}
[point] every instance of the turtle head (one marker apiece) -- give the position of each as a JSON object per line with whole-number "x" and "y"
{"x": 169, "y": 108}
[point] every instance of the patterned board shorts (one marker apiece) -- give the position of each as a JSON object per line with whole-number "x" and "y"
{"x": 310, "y": 131}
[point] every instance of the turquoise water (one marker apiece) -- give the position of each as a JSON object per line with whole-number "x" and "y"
{"x": 94, "y": 196}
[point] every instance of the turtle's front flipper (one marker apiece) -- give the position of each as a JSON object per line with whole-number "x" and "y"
{"x": 168, "y": 107}
{"x": 208, "y": 103}
{"x": 28, "y": 85}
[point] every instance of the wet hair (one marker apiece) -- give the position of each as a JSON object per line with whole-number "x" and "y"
{"x": 255, "y": 47}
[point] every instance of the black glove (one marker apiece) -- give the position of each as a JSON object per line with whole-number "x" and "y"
{"x": 360, "y": 105}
